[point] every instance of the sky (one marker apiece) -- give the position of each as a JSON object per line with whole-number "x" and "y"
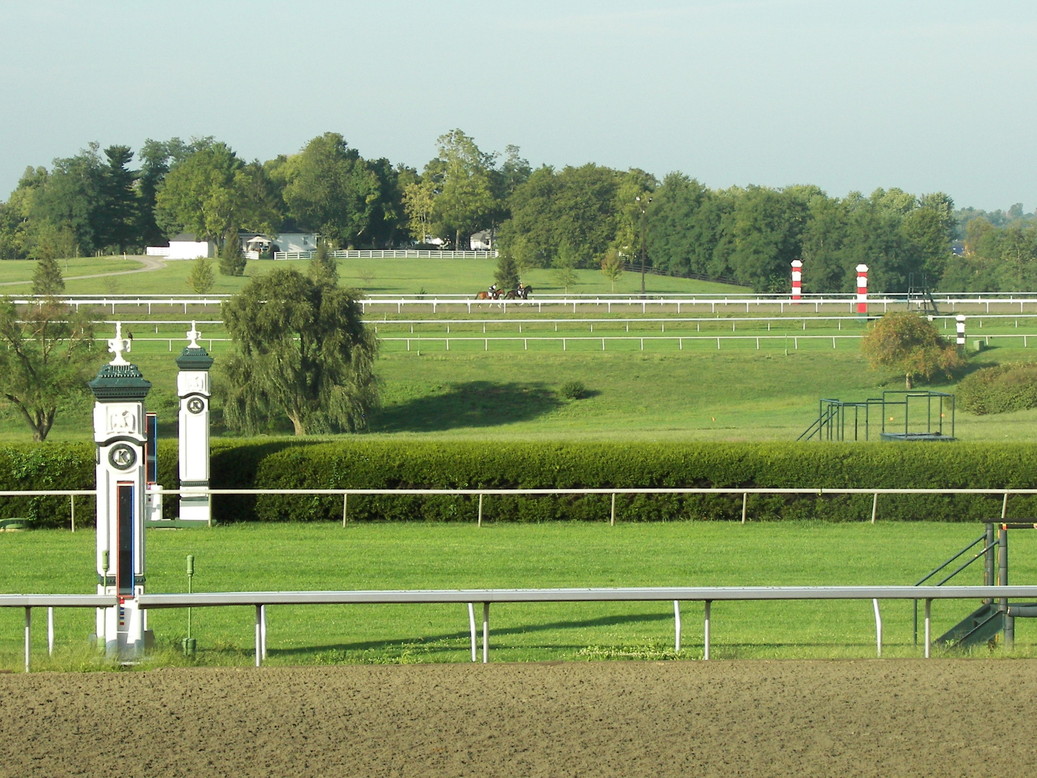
{"x": 848, "y": 95}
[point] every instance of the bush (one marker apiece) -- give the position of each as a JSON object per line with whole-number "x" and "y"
{"x": 574, "y": 390}
{"x": 999, "y": 389}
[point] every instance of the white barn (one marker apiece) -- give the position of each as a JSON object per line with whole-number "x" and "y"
{"x": 184, "y": 247}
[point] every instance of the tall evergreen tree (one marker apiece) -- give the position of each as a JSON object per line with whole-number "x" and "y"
{"x": 47, "y": 280}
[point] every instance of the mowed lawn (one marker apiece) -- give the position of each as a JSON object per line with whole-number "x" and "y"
{"x": 436, "y": 556}
{"x": 695, "y": 394}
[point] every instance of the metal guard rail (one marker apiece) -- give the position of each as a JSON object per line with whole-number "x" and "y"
{"x": 50, "y": 601}
{"x": 705, "y": 595}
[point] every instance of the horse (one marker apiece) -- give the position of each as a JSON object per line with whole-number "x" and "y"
{"x": 483, "y": 296}
{"x": 518, "y": 294}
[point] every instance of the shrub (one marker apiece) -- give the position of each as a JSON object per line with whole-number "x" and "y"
{"x": 999, "y": 389}
{"x": 574, "y": 390}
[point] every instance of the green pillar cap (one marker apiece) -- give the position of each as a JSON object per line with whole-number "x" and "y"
{"x": 119, "y": 382}
{"x": 194, "y": 359}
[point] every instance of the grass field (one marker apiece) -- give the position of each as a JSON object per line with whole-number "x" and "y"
{"x": 695, "y": 394}
{"x": 423, "y": 556}
{"x": 692, "y": 392}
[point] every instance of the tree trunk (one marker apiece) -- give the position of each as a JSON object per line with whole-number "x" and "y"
{"x": 908, "y": 383}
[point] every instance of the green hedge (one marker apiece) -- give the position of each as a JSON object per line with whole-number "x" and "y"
{"x": 999, "y": 389}
{"x": 359, "y": 462}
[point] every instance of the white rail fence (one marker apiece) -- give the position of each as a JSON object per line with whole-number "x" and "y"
{"x": 393, "y": 254}
{"x": 747, "y": 302}
{"x": 481, "y": 494}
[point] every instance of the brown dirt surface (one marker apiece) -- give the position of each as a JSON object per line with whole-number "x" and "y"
{"x": 755, "y": 718}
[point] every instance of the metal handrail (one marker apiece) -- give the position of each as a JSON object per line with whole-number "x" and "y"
{"x": 705, "y": 595}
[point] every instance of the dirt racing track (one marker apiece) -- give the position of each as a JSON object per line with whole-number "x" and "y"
{"x": 755, "y": 718}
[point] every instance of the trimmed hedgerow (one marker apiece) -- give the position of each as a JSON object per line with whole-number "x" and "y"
{"x": 359, "y": 462}
{"x": 999, "y": 389}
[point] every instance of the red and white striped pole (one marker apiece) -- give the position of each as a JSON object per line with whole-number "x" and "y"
{"x": 862, "y": 288}
{"x": 797, "y": 280}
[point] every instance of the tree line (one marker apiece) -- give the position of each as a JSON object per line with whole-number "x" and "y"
{"x": 113, "y": 200}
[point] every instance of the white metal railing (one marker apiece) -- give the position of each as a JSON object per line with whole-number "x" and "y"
{"x": 680, "y": 301}
{"x": 565, "y": 340}
{"x": 744, "y": 493}
{"x": 757, "y": 341}
{"x": 51, "y": 601}
{"x": 392, "y": 254}
{"x": 706, "y": 595}
{"x": 613, "y": 492}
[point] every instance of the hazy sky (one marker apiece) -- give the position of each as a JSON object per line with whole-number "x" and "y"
{"x": 924, "y": 95}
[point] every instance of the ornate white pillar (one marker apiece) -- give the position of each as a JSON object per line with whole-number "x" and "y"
{"x": 119, "y": 391}
{"x": 193, "y": 388}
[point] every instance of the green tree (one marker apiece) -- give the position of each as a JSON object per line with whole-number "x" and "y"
{"x": 69, "y": 200}
{"x": 47, "y": 280}
{"x": 48, "y": 354}
{"x": 464, "y": 202}
{"x": 302, "y": 353}
{"x": 232, "y": 258}
{"x": 576, "y": 207}
{"x": 201, "y": 279}
{"x": 507, "y": 273}
{"x": 823, "y": 241}
{"x": 331, "y": 190}
{"x": 565, "y": 267}
{"x": 676, "y": 242}
{"x": 212, "y": 194}
{"x": 612, "y": 267}
{"x": 911, "y": 344}
{"x": 16, "y": 222}
{"x": 418, "y": 200}
{"x": 156, "y": 159}
{"x": 766, "y": 227}
{"x": 323, "y": 266}
{"x": 118, "y": 220}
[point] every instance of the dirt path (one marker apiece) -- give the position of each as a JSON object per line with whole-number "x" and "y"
{"x": 147, "y": 265}
{"x": 752, "y": 718}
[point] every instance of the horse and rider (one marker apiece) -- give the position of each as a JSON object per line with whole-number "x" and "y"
{"x": 494, "y": 292}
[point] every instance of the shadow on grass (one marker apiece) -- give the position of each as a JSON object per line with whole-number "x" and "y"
{"x": 470, "y": 404}
{"x": 439, "y": 643}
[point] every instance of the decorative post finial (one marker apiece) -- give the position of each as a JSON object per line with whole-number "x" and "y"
{"x": 192, "y": 335}
{"x": 118, "y": 346}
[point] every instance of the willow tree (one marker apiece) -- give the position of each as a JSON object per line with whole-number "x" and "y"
{"x": 303, "y": 354}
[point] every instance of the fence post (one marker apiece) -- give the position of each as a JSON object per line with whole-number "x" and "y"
{"x": 874, "y": 506}
{"x": 479, "y": 524}
{"x": 705, "y": 630}
{"x": 28, "y": 635}
{"x": 345, "y": 507}
{"x": 612, "y": 519}
{"x": 676, "y": 626}
{"x": 745, "y": 502}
